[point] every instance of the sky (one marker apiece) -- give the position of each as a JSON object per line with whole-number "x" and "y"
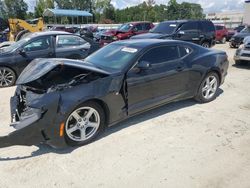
{"x": 209, "y": 6}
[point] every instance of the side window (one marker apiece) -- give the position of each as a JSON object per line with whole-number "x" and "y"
{"x": 161, "y": 55}
{"x": 208, "y": 26}
{"x": 39, "y": 44}
{"x": 147, "y": 26}
{"x": 64, "y": 41}
{"x": 139, "y": 27}
{"x": 184, "y": 50}
{"x": 189, "y": 26}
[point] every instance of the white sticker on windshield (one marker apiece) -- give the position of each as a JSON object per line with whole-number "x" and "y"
{"x": 130, "y": 50}
{"x": 172, "y": 25}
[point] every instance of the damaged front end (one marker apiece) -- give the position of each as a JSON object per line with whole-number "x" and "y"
{"x": 35, "y": 107}
{"x": 30, "y": 118}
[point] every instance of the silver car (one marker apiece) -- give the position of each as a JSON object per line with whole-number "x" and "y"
{"x": 243, "y": 52}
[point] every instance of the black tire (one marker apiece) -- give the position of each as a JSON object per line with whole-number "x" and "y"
{"x": 22, "y": 34}
{"x": 231, "y": 46}
{"x": 70, "y": 141}
{"x": 7, "y": 77}
{"x": 200, "y": 95}
{"x": 205, "y": 44}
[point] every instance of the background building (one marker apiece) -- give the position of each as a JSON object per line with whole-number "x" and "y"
{"x": 247, "y": 12}
{"x": 230, "y": 19}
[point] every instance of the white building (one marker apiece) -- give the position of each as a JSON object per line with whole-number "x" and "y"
{"x": 230, "y": 19}
{"x": 246, "y": 19}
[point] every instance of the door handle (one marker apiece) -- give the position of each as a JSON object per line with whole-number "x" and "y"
{"x": 50, "y": 54}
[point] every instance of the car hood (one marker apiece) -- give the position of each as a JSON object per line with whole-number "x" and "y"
{"x": 149, "y": 36}
{"x": 39, "y": 67}
{"x": 241, "y": 35}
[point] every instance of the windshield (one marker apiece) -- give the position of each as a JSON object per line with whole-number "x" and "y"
{"x": 113, "y": 56}
{"x": 15, "y": 45}
{"x": 246, "y": 30}
{"x": 165, "y": 28}
{"x": 125, "y": 27}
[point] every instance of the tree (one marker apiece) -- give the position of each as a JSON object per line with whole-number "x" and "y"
{"x": 16, "y": 8}
{"x": 173, "y": 10}
{"x": 2, "y": 9}
{"x": 41, "y": 6}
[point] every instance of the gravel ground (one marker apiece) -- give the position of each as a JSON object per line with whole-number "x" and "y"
{"x": 182, "y": 144}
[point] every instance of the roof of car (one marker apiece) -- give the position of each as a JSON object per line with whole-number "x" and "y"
{"x": 142, "y": 43}
{"x": 46, "y": 33}
{"x": 183, "y": 21}
{"x": 138, "y": 22}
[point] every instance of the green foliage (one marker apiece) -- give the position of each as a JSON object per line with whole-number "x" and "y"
{"x": 41, "y": 6}
{"x": 104, "y": 10}
{"x": 3, "y": 13}
{"x": 16, "y": 8}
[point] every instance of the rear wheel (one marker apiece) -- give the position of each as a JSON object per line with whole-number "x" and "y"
{"x": 22, "y": 34}
{"x": 7, "y": 77}
{"x": 84, "y": 124}
{"x": 208, "y": 88}
{"x": 205, "y": 44}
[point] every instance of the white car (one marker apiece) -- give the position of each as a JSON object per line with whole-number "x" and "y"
{"x": 243, "y": 52}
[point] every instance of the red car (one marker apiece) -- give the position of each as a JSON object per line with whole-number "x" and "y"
{"x": 125, "y": 31}
{"x": 221, "y": 33}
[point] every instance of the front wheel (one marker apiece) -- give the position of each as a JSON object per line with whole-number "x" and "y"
{"x": 208, "y": 88}
{"x": 84, "y": 124}
{"x": 7, "y": 77}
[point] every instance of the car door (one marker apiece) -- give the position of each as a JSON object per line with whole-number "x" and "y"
{"x": 163, "y": 80}
{"x": 40, "y": 47}
{"x": 71, "y": 46}
{"x": 189, "y": 32}
{"x": 138, "y": 29}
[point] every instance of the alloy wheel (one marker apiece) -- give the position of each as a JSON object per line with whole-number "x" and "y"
{"x": 7, "y": 77}
{"x": 82, "y": 124}
{"x": 209, "y": 87}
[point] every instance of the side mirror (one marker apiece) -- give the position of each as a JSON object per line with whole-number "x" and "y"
{"x": 143, "y": 65}
{"x": 180, "y": 33}
{"x": 22, "y": 52}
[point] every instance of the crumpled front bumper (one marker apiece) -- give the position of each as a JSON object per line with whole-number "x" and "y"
{"x": 40, "y": 124}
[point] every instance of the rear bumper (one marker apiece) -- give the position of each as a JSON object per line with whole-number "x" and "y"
{"x": 38, "y": 125}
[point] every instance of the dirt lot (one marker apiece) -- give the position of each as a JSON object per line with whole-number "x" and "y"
{"x": 183, "y": 144}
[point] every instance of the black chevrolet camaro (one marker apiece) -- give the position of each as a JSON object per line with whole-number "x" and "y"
{"x": 69, "y": 102}
{"x": 49, "y": 44}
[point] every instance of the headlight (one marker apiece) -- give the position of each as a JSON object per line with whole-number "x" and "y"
{"x": 241, "y": 46}
{"x": 115, "y": 38}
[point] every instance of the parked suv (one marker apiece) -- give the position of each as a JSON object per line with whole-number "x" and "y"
{"x": 201, "y": 32}
{"x": 221, "y": 33}
{"x": 125, "y": 31}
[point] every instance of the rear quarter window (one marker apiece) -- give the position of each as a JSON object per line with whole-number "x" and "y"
{"x": 207, "y": 26}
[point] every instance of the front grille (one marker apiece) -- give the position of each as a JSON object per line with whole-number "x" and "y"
{"x": 237, "y": 39}
{"x": 245, "y": 55}
{"x": 105, "y": 37}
